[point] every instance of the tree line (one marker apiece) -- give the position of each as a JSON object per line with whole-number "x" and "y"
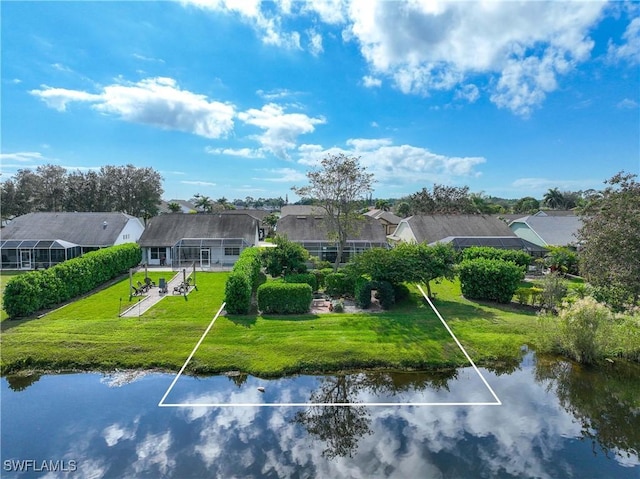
{"x": 129, "y": 189}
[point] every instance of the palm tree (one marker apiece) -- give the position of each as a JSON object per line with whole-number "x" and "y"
{"x": 553, "y": 198}
{"x": 204, "y": 202}
{"x": 173, "y": 207}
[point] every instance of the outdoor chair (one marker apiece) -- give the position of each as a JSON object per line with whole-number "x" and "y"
{"x": 149, "y": 283}
{"x": 162, "y": 285}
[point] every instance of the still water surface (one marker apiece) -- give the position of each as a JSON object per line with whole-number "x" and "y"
{"x": 556, "y": 420}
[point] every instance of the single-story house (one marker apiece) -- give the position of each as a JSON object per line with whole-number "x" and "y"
{"x": 386, "y": 218}
{"x": 40, "y": 240}
{"x": 434, "y": 228}
{"x": 204, "y": 239}
{"x": 257, "y": 214}
{"x": 312, "y": 232}
{"x": 548, "y": 230}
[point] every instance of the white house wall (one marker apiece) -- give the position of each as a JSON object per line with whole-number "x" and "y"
{"x": 131, "y": 232}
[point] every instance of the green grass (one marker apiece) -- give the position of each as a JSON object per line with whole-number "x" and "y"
{"x": 89, "y": 335}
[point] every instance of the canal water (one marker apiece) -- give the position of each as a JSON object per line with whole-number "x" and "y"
{"x": 556, "y": 420}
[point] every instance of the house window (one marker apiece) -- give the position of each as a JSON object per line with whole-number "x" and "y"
{"x": 156, "y": 252}
{"x": 232, "y": 251}
{"x": 126, "y": 237}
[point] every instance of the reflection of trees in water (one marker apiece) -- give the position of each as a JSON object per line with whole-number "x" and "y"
{"x": 20, "y": 383}
{"x": 238, "y": 378}
{"x": 341, "y": 427}
{"x": 606, "y": 401}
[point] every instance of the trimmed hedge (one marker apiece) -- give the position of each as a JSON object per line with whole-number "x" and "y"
{"x": 308, "y": 278}
{"x": 518, "y": 257}
{"x": 320, "y": 275}
{"x": 284, "y": 298}
{"x": 362, "y": 292}
{"x": 336, "y": 284}
{"x": 27, "y": 293}
{"x": 490, "y": 279}
{"x": 385, "y": 293}
{"x": 243, "y": 280}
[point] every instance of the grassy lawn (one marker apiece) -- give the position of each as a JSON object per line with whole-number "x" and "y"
{"x": 88, "y": 334}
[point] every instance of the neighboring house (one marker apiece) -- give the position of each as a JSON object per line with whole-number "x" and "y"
{"x": 312, "y": 233}
{"x": 501, "y": 242}
{"x": 301, "y": 210}
{"x": 185, "y": 206}
{"x": 40, "y": 240}
{"x": 548, "y": 230}
{"x": 204, "y": 239}
{"x": 386, "y": 218}
{"x": 434, "y": 228}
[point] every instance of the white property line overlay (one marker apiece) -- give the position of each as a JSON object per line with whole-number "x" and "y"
{"x": 385, "y": 404}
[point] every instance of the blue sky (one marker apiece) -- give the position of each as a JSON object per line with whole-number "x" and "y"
{"x": 241, "y": 98}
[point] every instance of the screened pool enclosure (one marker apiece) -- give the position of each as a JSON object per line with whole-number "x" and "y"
{"x": 35, "y": 254}
{"x": 328, "y": 250}
{"x": 207, "y": 253}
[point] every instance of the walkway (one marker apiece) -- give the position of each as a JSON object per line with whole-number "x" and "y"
{"x": 153, "y": 296}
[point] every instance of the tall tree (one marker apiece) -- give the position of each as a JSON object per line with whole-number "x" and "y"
{"x": 610, "y": 252}
{"x": 442, "y": 199}
{"x": 383, "y": 205}
{"x": 403, "y": 209}
{"x": 52, "y": 184}
{"x": 8, "y": 194}
{"x": 337, "y": 186}
{"x": 528, "y": 204}
{"x": 554, "y": 199}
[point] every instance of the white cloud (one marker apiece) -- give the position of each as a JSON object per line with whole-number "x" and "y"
{"x": 153, "y": 101}
{"x": 283, "y": 175}
{"x": 371, "y": 82}
{"x": 393, "y": 164}
{"x": 332, "y": 12}
{"x": 197, "y": 183}
{"x": 630, "y": 50}
{"x": 315, "y": 42}
{"x": 250, "y": 11}
{"x": 627, "y": 104}
{"x": 241, "y": 152}
{"x": 427, "y": 46}
{"x": 468, "y": 92}
{"x": 23, "y": 156}
{"x": 281, "y": 129}
{"x": 138, "y": 56}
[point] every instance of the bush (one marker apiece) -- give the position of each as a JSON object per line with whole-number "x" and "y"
{"x": 287, "y": 257}
{"x": 515, "y": 256}
{"x": 338, "y": 306}
{"x": 320, "y": 275}
{"x": 489, "y": 279}
{"x": 243, "y": 280}
{"x": 401, "y": 292}
{"x": 554, "y": 289}
{"x": 337, "y": 284}
{"x": 284, "y": 298}
{"x": 27, "y": 293}
{"x": 385, "y": 293}
{"x": 585, "y": 330}
{"x": 308, "y": 278}
{"x": 536, "y": 294}
{"x": 523, "y": 295}
{"x": 362, "y": 292}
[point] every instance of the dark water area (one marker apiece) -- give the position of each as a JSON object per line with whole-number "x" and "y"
{"x": 556, "y": 420}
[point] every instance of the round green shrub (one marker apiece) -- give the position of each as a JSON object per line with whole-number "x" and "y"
{"x": 489, "y": 279}
{"x": 362, "y": 292}
{"x": 237, "y": 293}
{"x": 337, "y": 284}
{"x": 308, "y": 278}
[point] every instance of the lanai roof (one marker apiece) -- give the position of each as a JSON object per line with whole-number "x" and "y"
{"x": 432, "y": 228}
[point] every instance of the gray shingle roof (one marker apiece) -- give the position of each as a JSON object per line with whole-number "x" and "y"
{"x": 501, "y": 242}
{"x": 314, "y": 228}
{"x": 385, "y": 215}
{"x": 431, "y": 228}
{"x": 84, "y": 229}
{"x": 554, "y": 230}
{"x": 301, "y": 210}
{"x": 167, "y": 230}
